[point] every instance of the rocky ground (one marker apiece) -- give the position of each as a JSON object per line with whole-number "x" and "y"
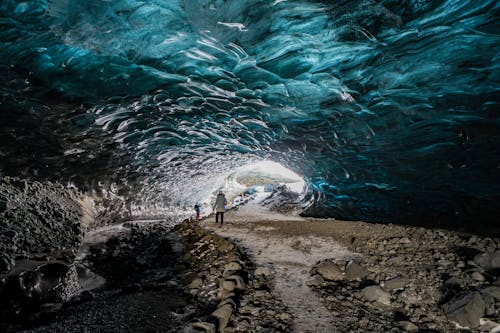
{"x": 262, "y": 271}
{"x": 372, "y": 277}
{"x": 156, "y": 279}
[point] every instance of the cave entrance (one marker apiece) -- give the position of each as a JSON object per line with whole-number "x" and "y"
{"x": 259, "y": 180}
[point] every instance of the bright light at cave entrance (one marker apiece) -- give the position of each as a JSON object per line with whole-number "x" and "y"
{"x": 269, "y": 172}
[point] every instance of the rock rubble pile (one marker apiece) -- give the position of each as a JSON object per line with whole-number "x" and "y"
{"x": 413, "y": 279}
{"x": 236, "y": 294}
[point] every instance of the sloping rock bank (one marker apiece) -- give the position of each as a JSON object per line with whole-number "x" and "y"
{"x": 235, "y": 295}
{"x": 411, "y": 279}
{"x": 184, "y": 279}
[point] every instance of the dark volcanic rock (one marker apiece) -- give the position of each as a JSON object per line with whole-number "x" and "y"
{"x": 34, "y": 293}
{"x": 37, "y": 218}
{"x": 465, "y": 309}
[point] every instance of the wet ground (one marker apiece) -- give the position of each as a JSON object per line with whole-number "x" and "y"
{"x": 127, "y": 272}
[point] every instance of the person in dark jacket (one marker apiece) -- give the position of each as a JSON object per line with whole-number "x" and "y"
{"x": 197, "y": 209}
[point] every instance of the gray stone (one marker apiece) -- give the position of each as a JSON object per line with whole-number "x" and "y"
{"x": 232, "y": 266}
{"x": 315, "y": 281}
{"x": 199, "y": 327}
{"x": 223, "y": 314}
{"x": 238, "y": 281}
{"x": 395, "y": 284}
{"x": 330, "y": 271}
{"x": 376, "y": 294}
{"x": 228, "y": 285}
{"x": 196, "y": 283}
{"x": 404, "y": 240}
{"x": 488, "y": 261}
{"x": 490, "y": 326}
{"x": 493, "y": 291}
{"x": 408, "y": 326}
{"x": 223, "y": 294}
{"x": 476, "y": 276}
{"x": 454, "y": 283}
{"x": 489, "y": 304}
{"x": 465, "y": 309}
{"x": 355, "y": 272}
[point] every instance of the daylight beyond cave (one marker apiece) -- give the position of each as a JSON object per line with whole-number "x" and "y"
{"x": 388, "y": 110}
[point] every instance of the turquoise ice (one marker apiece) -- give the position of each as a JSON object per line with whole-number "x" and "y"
{"x": 387, "y": 109}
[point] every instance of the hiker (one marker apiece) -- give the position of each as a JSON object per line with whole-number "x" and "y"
{"x": 220, "y": 207}
{"x": 197, "y": 209}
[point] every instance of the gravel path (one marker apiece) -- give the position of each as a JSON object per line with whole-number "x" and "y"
{"x": 290, "y": 257}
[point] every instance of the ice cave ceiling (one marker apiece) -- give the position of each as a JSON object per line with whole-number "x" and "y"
{"x": 388, "y": 109}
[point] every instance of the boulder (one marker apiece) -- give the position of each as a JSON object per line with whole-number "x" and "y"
{"x": 489, "y": 261}
{"x": 408, "y": 326}
{"x": 196, "y": 283}
{"x": 376, "y": 294}
{"x": 228, "y": 285}
{"x": 454, "y": 283}
{"x": 315, "y": 281}
{"x": 489, "y": 304}
{"x": 222, "y": 315}
{"x": 232, "y": 266}
{"x": 466, "y": 309}
{"x": 238, "y": 281}
{"x": 395, "y": 284}
{"x": 476, "y": 276}
{"x": 493, "y": 291}
{"x": 355, "y": 272}
{"x": 330, "y": 271}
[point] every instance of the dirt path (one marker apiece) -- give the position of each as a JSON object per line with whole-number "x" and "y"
{"x": 272, "y": 242}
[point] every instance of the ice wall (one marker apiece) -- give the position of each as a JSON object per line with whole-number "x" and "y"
{"x": 388, "y": 109}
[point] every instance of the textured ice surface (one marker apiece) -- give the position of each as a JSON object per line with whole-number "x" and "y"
{"x": 387, "y": 109}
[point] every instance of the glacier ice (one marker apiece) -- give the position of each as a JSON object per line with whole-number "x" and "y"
{"x": 389, "y": 110}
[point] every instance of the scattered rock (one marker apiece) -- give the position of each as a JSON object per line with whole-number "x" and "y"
{"x": 316, "y": 280}
{"x": 239, "y": 284}
{"x": 355, "y": 272}
{"x": 195, "y": 284}
{"x": 330, "y": 271}
{"x": 376, "y": 294}
{"x": 488, "y": 261}
{"x": 454, "y": 283}
{"x": 476, "y": 276}
{"x": 199, "y": 327}
{"x": 223, "y": 315}
{"x": 232, "y": 266}
{"x": 408, "y": 326}
{"x": 395, "y": 284}
{"x": 493, "y": 291}
{"x": 465, "y": 309}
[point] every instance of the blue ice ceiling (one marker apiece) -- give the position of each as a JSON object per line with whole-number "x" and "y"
{"x": 388, "y": 109}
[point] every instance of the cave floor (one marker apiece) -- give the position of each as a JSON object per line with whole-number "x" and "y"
{"x": 421, "y": 259}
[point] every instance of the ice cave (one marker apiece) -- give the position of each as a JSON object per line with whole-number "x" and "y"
{"x": 379, "y": 111}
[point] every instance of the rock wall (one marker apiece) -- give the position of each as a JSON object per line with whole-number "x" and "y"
{"x": 40, "y": 219}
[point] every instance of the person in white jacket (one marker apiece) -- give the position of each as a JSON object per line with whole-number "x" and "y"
{"x": 220, "y": 207}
